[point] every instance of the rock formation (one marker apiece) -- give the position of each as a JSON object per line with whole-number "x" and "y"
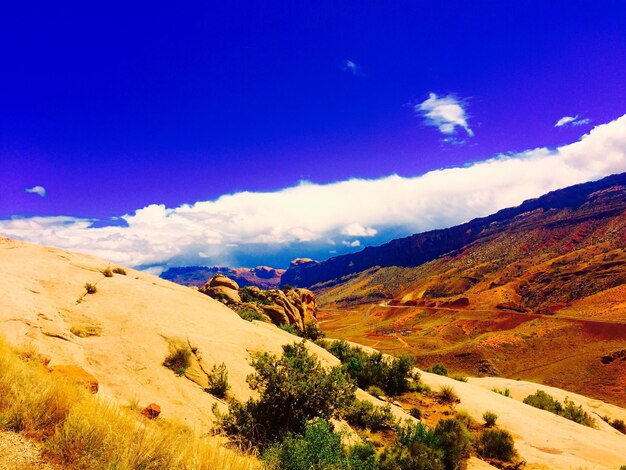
{"x": 290, "y": 306}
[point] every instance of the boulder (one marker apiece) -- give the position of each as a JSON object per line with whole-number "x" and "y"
{"x": 221, "y": 280}
{"x": 78, "y": 375}
{"x": 152, "y": 411}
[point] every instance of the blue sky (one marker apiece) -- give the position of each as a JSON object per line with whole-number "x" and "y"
{"x": 110, "y": 111}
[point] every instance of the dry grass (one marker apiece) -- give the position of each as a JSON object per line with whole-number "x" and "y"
{"x": 83, "y": 330}
{"x": 79, "y": 431}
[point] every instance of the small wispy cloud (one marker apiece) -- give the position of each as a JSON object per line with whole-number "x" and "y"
{"x": 351, "y": 244}
{"x": 357, "y": 230}
{"x": 566, "y": 121}
{"x": 445, "y": 113}
{"x": 351, "y": 67}
{"x": 39, "y": 190}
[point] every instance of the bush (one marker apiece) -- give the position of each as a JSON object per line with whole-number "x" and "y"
{"x": 107, "y": 272}
{"x": 292, "y": 390}
{"x": 364, "y": 414}
{"x": 543, "y": 401}
{"x": 490, "y": 418}
{"x": 218, "y": 381}
{"x": 90, "y": 288}
{"x": 438, "y": 369}
{"x": 375, "y": 391}
{"x": 506, "y": 392}
{"x": 411, "y": 433}
{"x": 250, "y": 315}
{"x": 121, "y": 271}
{"x": 460, "y": 378}
{"x": 416, "y": 413}
{"x": 454, "y": 440}
{"x": 497, "y": 444}
{"x": 178, "y": 360}
{"x": 447, "y": 394}
{"x": 289, "y": 329}
{"x": 466, "y": 419}
{"x": 319, "y": 448}
{"x": 312, "y": 332}
{"x": 393, "y": 376}
{"x": 619, "y": 425}
{"x": 416, "y": 457}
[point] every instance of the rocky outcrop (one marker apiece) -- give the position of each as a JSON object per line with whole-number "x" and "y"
{"x": 289, "y": 306}
{"x": 220, "y": 286}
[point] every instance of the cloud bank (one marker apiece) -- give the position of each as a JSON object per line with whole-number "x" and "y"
{"x": 446, "y": 113}
{"x": 40, "y": 190}
{"x": 315, "y": 220}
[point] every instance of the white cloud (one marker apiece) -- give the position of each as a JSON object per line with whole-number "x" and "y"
{"x": 572, "y": 121}
{"x": 351, "y": 244}
{"x": 351, "y": 67}
{"x": 446, "y": 113}
{"x": 357, "y": 230}
{"x": 307, "y": 216}
{"x": 40, "y": 190}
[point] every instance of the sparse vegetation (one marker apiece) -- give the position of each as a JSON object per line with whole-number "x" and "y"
{"x": 375, "y": 391}
{"x": 90, "y": 288}
{"x": 292, "y": 390}
{"x": 619, "y": 425}
{"x": 178, "y": 360}
{"x": 393, "y": 376}
{"x": 79, "y": 431}
{"x": 318, "y": 448}
{"x": 460, "y": 378}
{"x": 364, "y": 414}
{"x": 85, "y": 331}
{"x": 497, "y": 444}
{"x": 250, "y": 315}
{"x": 107, "y": 272}
{"x": 490, "y": 418}
{"x": 312, "y": 332}
{"x": 447, "y": 394}
{"x": 416, "y": 413}
{"x": 438, "y": 369}
{"x": 119, "y": 270}
{"x": 218, "y": 381}
{"x": 505, "y": 393}
{"x": 289, "y": 329}
{"x": 544, "y": 401}
{"x": 454, "y": 440}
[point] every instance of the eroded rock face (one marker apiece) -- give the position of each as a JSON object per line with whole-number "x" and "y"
{"x": 291, "y": 306}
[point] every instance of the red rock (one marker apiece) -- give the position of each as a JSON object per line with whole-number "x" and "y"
{"x": 78, "y": 375}
{"x": 151, "y": 411}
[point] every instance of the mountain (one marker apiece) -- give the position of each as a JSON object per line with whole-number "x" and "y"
{"x": 262, "y": 277}
{"x": 559, "y": 212}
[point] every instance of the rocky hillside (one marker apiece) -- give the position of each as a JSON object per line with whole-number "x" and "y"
{"x": 263, "y": 277}
{"x": 294, "y": 306}
{"x": 119, "y": 325}
{"x": 565, "y": 219}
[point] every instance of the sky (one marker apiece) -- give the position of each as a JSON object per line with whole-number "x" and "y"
{"x": 239, "y": 134}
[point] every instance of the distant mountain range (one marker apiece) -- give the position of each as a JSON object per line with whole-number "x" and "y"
{"x": 262, "y": 276}
{"x": 567, "y": 217}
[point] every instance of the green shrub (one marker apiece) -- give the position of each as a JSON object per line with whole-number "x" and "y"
{"x": 619, "y": 425}
{"x": 318, "y": 448}
{"x": 90, "y": 288}
{"x": 248, "y": 295}
{"x": 418, "y": 456}
{"x": 393, "y": 376}
{"x": 218, "y": 381}
{"x": 178, "y": 360}
{"x": 438, "y": 369}
{"x": 250, "y": 315}
{"x": 576, "y": 413}
{"x": 312, "y": 332}
{"x": 289, "y": 329}
{"x": 410, "y": 433}
{"x": 375, "y": 391}
{"x": 447, "y": 394}
{"x": 455, "y": 441}
{"x": 497, "y": 444}
{"x": 107, "y": 272}
{"x": 490, "y": 418}
{"x": 466, "y": 419}
{"x": 292, "y": 390}
{"x": 543, "y": 401}
{"x": 460, "y": 378}
{"x": 121, "y": 271}
{"x": 364, "y": 414}
{"x": 506, "y": 392}
{"x": 416, "y": 413}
